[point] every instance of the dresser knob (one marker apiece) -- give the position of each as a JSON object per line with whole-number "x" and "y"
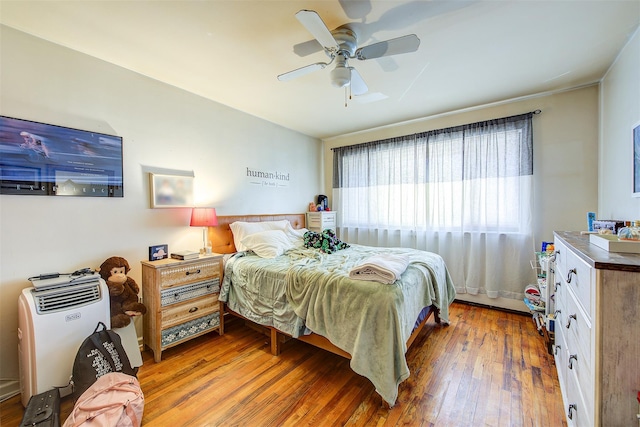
{"x": 572, "y": 407}
{"x": 556, "y": 348}
{"x": 570, "y": 274}
{"x": 193, "y": 272}
{"x": 555, "y": 289}
{"x": 571, "y": 316}
{"x": 571, "y": 359}
{"x": 193, "y": 309}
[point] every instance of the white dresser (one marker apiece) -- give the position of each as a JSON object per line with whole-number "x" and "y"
{"x": 318, "y": 221}
{"x": 597, "y": 332}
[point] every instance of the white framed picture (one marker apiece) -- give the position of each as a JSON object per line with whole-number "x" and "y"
{"x": 171, "y": 191}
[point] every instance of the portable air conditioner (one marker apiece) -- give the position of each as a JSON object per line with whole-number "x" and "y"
{"x": 54, "y": 318}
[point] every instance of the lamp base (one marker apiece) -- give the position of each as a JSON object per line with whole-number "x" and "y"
{"x": 205, "y": 248}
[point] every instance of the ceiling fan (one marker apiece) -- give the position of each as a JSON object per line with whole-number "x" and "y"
{"x": 340, "y": 45}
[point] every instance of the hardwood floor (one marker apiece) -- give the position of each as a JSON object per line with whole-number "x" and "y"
{"x": 487, "y": 368}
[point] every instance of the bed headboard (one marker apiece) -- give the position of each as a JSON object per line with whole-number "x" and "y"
{"x": 221, "y": 237}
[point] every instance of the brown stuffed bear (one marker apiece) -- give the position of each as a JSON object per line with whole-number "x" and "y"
{"x": 123, "y": 291}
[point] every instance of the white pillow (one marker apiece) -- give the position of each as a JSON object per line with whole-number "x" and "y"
{"x": 268, "y": 244}
{"x": 295, "y": 236}
{"x": 241, "y": 230}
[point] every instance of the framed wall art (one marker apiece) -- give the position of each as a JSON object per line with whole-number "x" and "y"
{"x": 171, "y": 191}
{"x": 636, "y": 159}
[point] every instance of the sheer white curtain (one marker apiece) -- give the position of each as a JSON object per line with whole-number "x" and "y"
{"x": 465, "y": 193}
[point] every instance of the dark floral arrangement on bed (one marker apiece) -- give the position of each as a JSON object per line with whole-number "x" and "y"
{"x": 327, "y": 241}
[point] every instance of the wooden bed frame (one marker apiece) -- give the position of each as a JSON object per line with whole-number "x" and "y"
{"x": 221, "y": 238}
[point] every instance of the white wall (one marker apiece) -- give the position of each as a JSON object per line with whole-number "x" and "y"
{"x": 565, "y": 138}
{"x": 162, "y": 127}
{"x": 619, "y": 111}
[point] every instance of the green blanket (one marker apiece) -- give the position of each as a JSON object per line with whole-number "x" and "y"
{"x": 369, "y": 320}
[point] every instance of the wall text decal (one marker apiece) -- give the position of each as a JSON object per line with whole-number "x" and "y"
{"x": 268, "y": 178}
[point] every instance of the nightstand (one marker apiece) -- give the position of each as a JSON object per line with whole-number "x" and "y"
{"x": 319, "y": 221}
{"x": 181, "y": 299}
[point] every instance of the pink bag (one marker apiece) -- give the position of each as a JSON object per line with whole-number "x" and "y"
{"x": 115, "y": 399}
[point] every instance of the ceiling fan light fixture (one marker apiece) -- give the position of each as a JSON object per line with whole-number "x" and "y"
{"x": 341, "y": 76}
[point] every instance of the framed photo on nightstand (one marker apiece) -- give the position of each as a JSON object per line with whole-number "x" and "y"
{"x": 158, "y": 252}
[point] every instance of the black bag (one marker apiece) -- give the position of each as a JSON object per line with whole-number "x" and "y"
{"x": 43, "y": 410}
{"x": 100, "y": 353}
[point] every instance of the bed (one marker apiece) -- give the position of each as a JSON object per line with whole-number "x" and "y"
{"x": 309, "y": 295}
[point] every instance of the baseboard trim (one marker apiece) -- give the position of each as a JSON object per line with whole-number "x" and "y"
{"x": 493, "y": 307}
{"x": 8, "y": 389}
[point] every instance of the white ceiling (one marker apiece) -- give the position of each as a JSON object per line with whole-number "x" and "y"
{"x": 471, "y": 53}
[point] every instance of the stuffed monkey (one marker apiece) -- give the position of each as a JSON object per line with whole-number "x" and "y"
{"x": 123, "y": 292}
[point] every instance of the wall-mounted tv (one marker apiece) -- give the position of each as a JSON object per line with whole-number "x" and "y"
{"x": 49, "y": 160}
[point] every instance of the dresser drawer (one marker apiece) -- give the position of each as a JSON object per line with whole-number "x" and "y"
{"x": 578, "y": 277}
{"x": 560, "y": 310}
{"x": 182, "y": 293}
{"x": 560, "y": 354}
{"x": 560, "y": 258}
{"x": 559, "y": 295}
{"x": 189, "y": 310}
{"x": 578, "y": 367}
{"x": 578, "y": 413}
{"x": 577, "y": 328}
{"x": 190, "y": 329}
{"x": 188, "y": 273}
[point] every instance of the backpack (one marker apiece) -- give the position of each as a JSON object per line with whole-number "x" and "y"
{"x": 115, "y": 399}
{"x": 99, "y": 354}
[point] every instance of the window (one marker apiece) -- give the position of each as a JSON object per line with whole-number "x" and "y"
{"x": 464, "y": 178}
{"x": 470, "y": 181}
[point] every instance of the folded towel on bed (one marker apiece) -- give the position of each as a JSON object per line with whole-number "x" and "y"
{"x": 384, "y": 268}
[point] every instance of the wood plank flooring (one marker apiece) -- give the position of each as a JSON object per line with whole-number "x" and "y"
{"x": 488, "y": 368}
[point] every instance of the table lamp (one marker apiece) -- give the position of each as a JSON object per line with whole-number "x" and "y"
{"x": 204, "y": 217}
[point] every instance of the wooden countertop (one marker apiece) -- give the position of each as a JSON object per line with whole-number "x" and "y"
{"x": 597, "y": 257}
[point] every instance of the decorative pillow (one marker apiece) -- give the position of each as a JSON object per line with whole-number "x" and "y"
{"x": 326, "y": 242}
{"x": 268, "y": 244}
{"x": 241, "y": 230}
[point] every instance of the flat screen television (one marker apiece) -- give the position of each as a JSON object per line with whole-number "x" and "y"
{"x": 49, "y": 160}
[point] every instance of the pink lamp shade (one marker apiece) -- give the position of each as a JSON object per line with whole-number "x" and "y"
{"x": 204, "y": 217}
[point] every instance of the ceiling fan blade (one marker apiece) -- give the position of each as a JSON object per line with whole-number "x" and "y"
{"x": 358, "y": 86}
{"x": 404, "y": 44}
{"x": 316, "y": 26}
{"x": 301, "y": 71}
